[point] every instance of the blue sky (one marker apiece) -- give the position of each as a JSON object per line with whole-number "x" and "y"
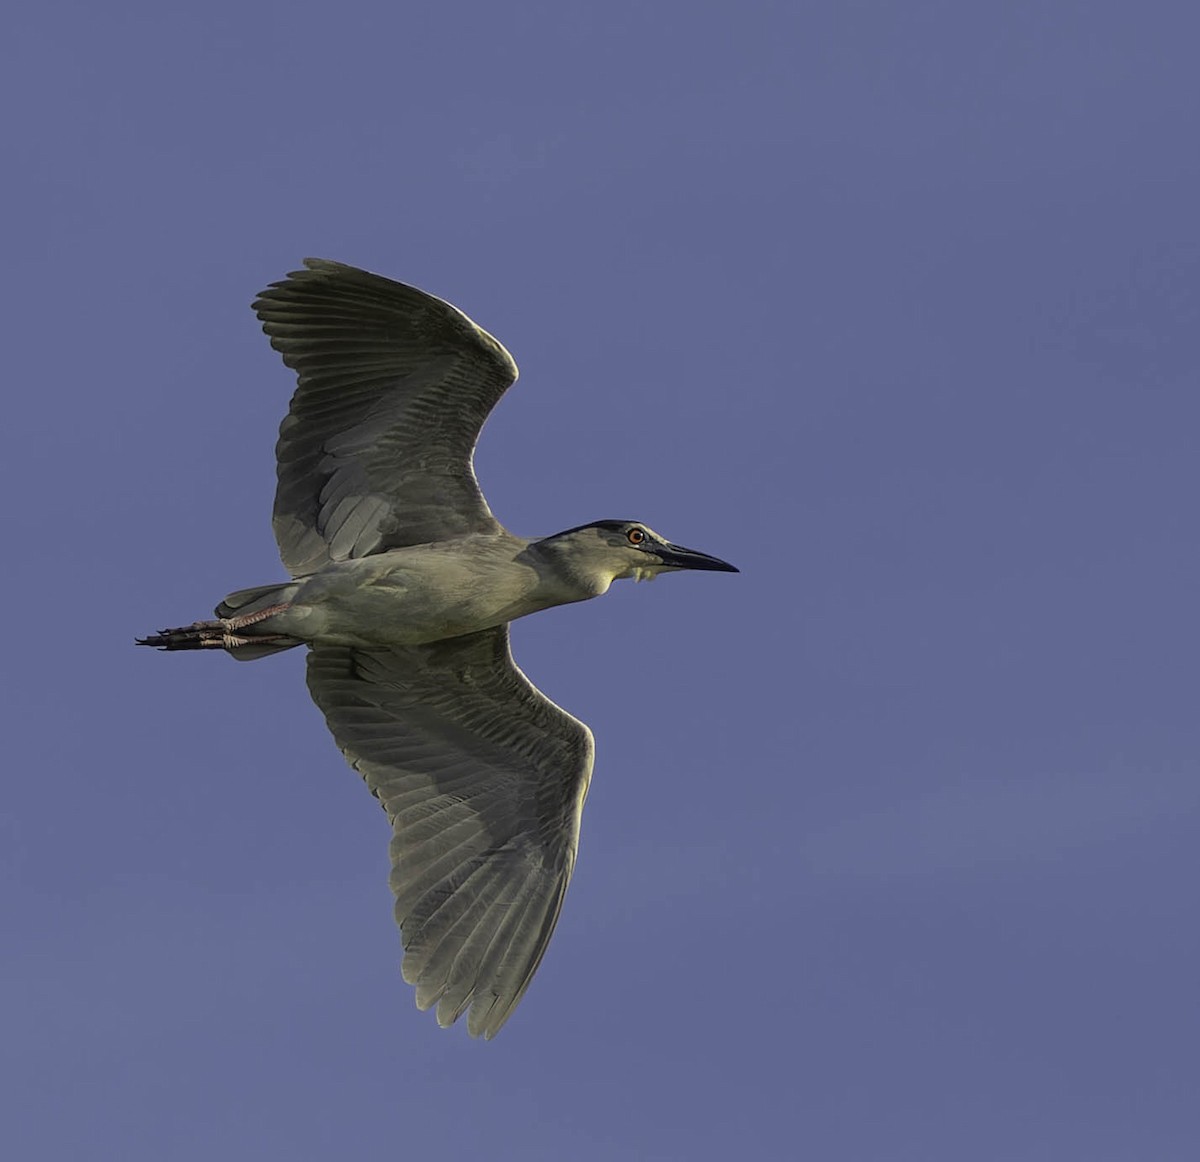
{"x": 891, "y": 850}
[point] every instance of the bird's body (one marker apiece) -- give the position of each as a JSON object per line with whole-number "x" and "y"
{"x": 418, "y": 594}
{"x": 403, "y": 586}
{"x": 425, "y": 593}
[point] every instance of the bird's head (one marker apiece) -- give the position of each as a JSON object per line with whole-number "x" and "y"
{"x": 607, "y": 550}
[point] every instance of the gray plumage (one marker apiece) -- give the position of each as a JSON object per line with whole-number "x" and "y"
{"x": 403, "y": 585}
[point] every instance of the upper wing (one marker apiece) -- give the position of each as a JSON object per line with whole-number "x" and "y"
{"x": 375, "y": 451}
{"x": 483, "y": 778}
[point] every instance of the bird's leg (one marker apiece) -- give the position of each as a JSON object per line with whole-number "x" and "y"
{"x": 221, "y": 634}
{"x": 231, "y": 623}
{"x": 230, "y": 640}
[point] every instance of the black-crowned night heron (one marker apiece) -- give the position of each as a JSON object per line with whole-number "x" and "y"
{"x": 403, "y": 585}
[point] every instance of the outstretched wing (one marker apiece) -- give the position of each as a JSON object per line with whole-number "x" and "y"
{"x": 394, "y": 384}
{"x": 483, "y": 779}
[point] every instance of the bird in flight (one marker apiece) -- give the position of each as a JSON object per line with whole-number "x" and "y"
{"x": 402, "y": 587}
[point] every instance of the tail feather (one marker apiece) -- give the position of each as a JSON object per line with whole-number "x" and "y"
{"x": 245, "y": 601}
{"x": 253, "y": 651}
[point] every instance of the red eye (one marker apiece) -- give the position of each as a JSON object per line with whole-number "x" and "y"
{"x": 636, "y": 536}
